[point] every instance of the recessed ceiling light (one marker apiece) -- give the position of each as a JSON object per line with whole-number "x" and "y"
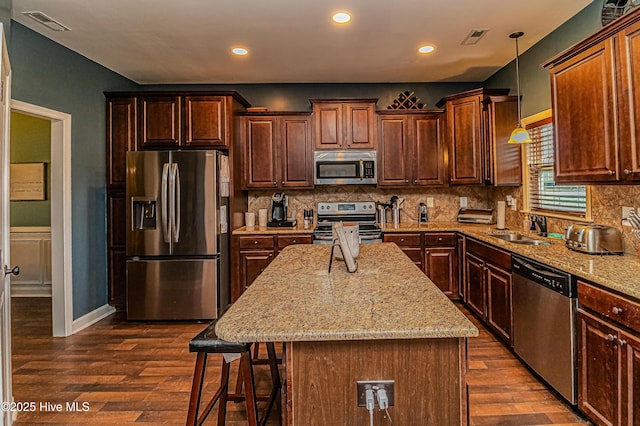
{"x": 240, "y": 51}
{"x": 341, "y": 18}
{"x": 427, "y": 48}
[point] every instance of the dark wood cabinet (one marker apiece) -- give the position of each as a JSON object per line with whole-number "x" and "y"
{"x": 608, "y": 356}
{"x": 489, "y": 286}
{"x": 159, "y": 121}
{"x": 441, "y": 262}
{"x": 121, "y": 137}
{"x": 411, "y": 151}
{"x": 251, "y": 254}
{"x": 595, "y": 132}
{"x": 344, "y": 123}
{"x": 204, "y": 123}
{"x": 278, "y": 151}
{"x": 479, "y": 123}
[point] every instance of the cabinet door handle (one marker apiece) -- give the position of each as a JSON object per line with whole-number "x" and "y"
{"x": 271, "y": 255}
{"x": 293, "y": 242}
{"x": 275, "y": 183}
{"x": 628, "y": 172}
{"x": 622, "y": 342}
{"x": 402, "y": 240}
{"x": 612, "y": 172}
{"x": 415, "y": 181}
{"x": 611, "y": 338}
{"x": 426, "y": 252}
{"x": 439, "y": 238}
{"x": 255, "y": 242}
{"x": 616, "y": 310}
{"x": 406, "y": 181}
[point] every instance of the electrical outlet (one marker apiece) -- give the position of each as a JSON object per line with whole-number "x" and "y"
{"x": 363, "y": 385}
{"x": 430, "y": 202}
{"x": 463, "y": 202}
{"x": 625, "y": 215}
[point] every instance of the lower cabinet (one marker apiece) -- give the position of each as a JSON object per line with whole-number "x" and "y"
{"x": 488, "y": 286}
{"x": 608, "y": 357}
{"x": 441, "y": 262}
{"x": 252, "y": 254}
{"x": 435, "y": 253}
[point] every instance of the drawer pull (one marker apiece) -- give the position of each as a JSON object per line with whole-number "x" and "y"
{"x": 293, "y": 242}
{"x": 271, "y": 255}
{"x": 439, "y": 238}
{"x": 402, "y": 240}
{"x": 616, "y": 310}
{"x": 255, "y": 242}
{"x": 611, "y": 338}
{"x": 426, "y": 252}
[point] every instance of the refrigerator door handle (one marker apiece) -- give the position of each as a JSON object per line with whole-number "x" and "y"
{"x": 176, "y": 199}
{"x": 172, "y": 200}
{"x": 163, "y": 204}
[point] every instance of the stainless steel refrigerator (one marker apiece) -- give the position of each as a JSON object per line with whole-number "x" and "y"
{"x": 177, "y": 235}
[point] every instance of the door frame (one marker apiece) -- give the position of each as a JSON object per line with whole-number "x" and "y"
{"x": 61, "y": 242}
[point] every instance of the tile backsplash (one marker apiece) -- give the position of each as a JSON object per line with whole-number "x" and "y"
{"x": 606, "y": 203}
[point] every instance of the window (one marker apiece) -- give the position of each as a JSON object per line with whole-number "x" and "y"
{"x": 543, "y": 195}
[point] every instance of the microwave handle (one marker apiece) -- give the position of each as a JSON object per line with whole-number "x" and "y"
{"x": 361, "y": 169}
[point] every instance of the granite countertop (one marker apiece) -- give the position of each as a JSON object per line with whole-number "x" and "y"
{"x": 297, "y": 299}
{"x": 618, "y": 273}
{"x": 262, "y": 230}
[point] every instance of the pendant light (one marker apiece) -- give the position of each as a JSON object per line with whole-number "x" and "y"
{"x": 520, "y": 134}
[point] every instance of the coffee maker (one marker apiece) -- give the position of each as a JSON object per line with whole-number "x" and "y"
{"x": 279, "y": 204}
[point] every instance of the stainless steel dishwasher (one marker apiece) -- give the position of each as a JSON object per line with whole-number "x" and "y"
{"x": 544, "y": 316}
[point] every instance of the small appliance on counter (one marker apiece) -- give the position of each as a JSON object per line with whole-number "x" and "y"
{"x": 594, "y": 239}
{"x": 279, "y": 205}
{"x": 423, "y": 213}
{"x": 477, "y": 216}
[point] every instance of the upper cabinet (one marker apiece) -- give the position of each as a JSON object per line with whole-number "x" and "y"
{"x": 278, "y": 151}
{"x": 479, "y": 123}
{"x": 167, "y": 121}
{"x": 596, "y": 105}
{"x": 411, "y": 148}
{"x": 344, "y": 123}
{"x": 121, "y": 136}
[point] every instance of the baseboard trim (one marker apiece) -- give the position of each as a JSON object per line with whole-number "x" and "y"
{"x": 91, "y": 318}
{"x": 30, "y": 290}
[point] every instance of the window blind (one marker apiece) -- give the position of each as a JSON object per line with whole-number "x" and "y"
{"x": 544, "y": 194}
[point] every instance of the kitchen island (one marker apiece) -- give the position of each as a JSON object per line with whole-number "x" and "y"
{"x": 387, "y": 321}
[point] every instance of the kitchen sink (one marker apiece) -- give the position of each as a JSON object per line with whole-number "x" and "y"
{"x": 515, "y": 237}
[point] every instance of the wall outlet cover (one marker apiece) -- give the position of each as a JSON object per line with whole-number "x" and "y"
{"x": 625, "y": 215}
{"x": 463, "y": 202}
{"x": 430, "y": 202}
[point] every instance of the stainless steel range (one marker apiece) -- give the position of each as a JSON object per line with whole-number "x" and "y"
{"x": 362, "y": 212}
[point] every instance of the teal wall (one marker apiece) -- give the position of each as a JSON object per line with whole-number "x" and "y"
{"x": 31, "y": 143}
{"x": 49, "y": 75}
{"x": 535, "y": 86}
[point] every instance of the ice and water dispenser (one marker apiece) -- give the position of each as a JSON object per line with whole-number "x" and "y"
{"x": 144, "y": 214}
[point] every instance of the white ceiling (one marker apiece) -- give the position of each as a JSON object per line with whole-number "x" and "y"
{"x": 189, "y": 41}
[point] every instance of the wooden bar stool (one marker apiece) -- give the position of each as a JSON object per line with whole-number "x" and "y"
{"x": 206, "y": 342}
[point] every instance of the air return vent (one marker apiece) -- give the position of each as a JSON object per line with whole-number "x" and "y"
{"x": 47, "y": 21}
{"x": 475, "y": 35}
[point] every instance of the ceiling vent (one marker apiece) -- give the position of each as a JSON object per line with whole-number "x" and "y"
{"x": 475, "y": 35}
{"x": 47, "y": 21}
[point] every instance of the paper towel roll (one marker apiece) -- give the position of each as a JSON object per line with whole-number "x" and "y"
{"x": 500, "y": 214}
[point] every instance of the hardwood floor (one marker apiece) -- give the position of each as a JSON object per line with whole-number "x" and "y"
{"x": 141, "y": 373}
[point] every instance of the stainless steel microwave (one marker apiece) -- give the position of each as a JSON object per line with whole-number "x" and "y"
{"x": 344, "y": 167}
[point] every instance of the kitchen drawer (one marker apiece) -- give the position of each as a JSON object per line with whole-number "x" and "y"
{"x": 432, "y": 239}
{"x": 259, "y": 241}
{"x": 614, "y": 307}
{"x": 403, "y": 239}
{"x": 490, "y": 253}
{"x": 287, "y": 240}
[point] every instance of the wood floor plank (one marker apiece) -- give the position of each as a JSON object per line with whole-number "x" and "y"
{"x": 141, "y": 373}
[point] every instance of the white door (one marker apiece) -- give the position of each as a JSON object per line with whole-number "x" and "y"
{"x": 5, "y": 294}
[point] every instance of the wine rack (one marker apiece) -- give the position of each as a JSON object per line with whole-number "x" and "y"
{"x": 406, "y": 100}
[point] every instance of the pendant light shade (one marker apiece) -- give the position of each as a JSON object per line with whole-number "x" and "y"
{"x": 520, "y": 134}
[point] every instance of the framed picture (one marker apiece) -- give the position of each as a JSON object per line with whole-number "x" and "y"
{"x": 27, "y": 182}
